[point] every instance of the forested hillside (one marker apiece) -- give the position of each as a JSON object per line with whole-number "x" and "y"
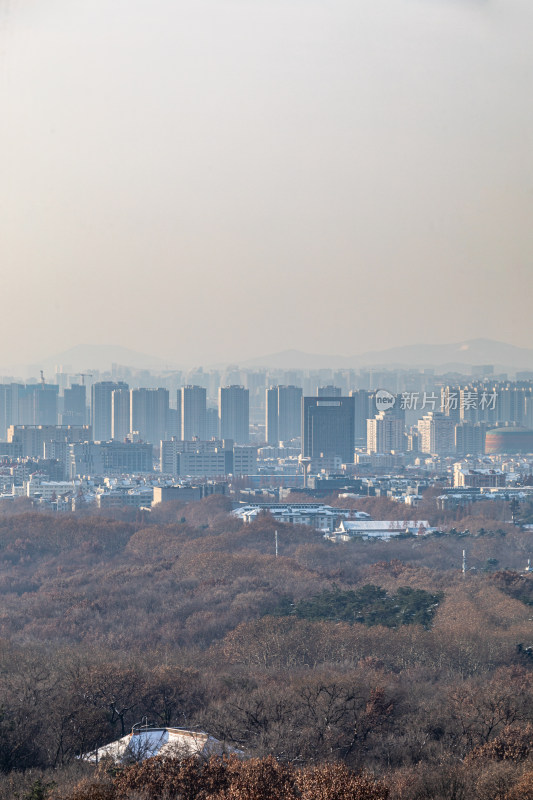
{"x": 378, "y": 656}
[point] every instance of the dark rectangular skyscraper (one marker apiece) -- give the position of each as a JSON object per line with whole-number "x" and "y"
{"x": 328, "y": 427}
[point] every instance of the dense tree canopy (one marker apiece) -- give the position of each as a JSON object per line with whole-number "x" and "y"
{"x": 345, "y": 671}
{"x": 370, "y": 605}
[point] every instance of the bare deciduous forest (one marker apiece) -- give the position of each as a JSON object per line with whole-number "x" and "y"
{"x": 359, "y": 670}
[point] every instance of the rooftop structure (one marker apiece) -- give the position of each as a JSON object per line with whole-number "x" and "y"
{"x": 380, "y": 529}
{"x": 464, "y": 476}
{"x": 316, "y": 515}
{"x": 145, "y": 743}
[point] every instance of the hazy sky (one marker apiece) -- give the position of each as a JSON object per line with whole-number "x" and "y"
{"x": 213, "y": 180}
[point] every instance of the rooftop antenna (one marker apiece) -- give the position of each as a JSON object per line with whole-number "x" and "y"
{"x": 43, "y": 382}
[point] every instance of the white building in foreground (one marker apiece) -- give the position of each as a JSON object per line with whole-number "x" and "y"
{"x": 145, "y": 743}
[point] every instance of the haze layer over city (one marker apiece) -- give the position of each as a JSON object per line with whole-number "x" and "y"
{"x": 215, "y": 181}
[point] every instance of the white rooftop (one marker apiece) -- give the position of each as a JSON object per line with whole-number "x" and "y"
{"x": 383, "y": 529}
{"x": 148, "y": 742}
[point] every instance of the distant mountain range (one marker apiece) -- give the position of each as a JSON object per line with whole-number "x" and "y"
{"x": 101, "y": 356}
{"x": 86, "y": 357}
{"x": 446, "y": 357}
{"x": 449, "y": 357}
